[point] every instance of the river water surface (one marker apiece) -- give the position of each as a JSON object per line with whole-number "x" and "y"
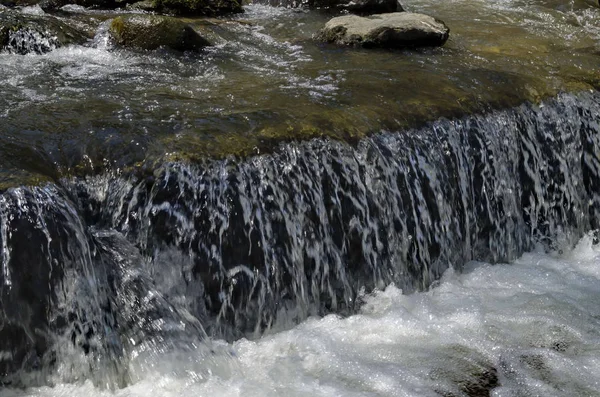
{"x": 530, "y": 328}
{"x": 274, "y": 216}
{"x": 266, "y": 80}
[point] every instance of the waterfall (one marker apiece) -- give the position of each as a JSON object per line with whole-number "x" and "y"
{"x": 233, "y": 247}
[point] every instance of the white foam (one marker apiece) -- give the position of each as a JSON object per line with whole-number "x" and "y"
{"x": 535, "y": 324}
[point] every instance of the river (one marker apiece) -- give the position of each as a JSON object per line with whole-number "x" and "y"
{"x": 279, "y": 216}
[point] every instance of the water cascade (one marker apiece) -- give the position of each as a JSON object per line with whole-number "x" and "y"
{"x": 27, "y": 41}
{"x": 102, "y": 268}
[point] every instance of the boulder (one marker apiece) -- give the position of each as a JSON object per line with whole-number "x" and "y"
{"x": 394, "y": 30}
{"x": 149, "y": 32}
{"x": 23, "y": 34}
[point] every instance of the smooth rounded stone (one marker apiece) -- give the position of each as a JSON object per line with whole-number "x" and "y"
{"x": 23, "y": 34}
{"x": 149, "y": 32}
{"x": 394, "y": 30}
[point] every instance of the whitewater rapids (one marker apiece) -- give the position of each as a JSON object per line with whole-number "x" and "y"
{"x": 530, "y": 328}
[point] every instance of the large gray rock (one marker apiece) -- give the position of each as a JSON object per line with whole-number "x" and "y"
{"x": 149, "y": 32}
{"x": 394, "y": 30}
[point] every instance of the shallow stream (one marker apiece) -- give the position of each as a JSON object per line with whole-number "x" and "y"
{"x": 278, "y": 216}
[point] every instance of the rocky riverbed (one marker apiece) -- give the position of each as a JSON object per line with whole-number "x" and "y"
{"x": 93, "y": 97}
{"x": 172, "y": 171}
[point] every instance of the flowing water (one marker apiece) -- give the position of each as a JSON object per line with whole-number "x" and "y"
{"x": 525, "y": 329}
{"x": 75, "y": 109}
{"x": 277, "y": 216}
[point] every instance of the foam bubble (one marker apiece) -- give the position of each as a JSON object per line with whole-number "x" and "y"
{"x": 527, "y": 328}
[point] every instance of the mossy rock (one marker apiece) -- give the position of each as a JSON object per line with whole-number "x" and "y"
{"x": 23, "y": 34}
{"x": 149, "y": 32}
{"x": 197, "y": 7}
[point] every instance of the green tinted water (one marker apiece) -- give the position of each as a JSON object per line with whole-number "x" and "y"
{"x": 85, "y": 108}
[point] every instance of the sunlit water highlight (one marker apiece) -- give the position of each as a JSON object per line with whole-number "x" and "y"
{"x": 530, "y": 328}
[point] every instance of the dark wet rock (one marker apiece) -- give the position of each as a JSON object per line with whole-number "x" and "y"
{"x": 468, "y": 374}
{"x": 149, "y": 32}
{"x": 52, "y": 5}
{"x": 368, "y": 7}
{"x": 361, "y": 7}
{"x": 17, "y": 3}
{"x": 31, "y": 290}
{"x": 59, "y": 283}
{"x": 23, "y": 34}
{"x": 197, "y": 7}
{"x": 171, "y": 7}
{"x": 394, "y": 30}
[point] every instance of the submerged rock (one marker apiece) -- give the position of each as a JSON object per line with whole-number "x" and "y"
{"x": 23, "y": 34}
{"x": 395, "y": 30}
{"x": 149, "y": 32}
